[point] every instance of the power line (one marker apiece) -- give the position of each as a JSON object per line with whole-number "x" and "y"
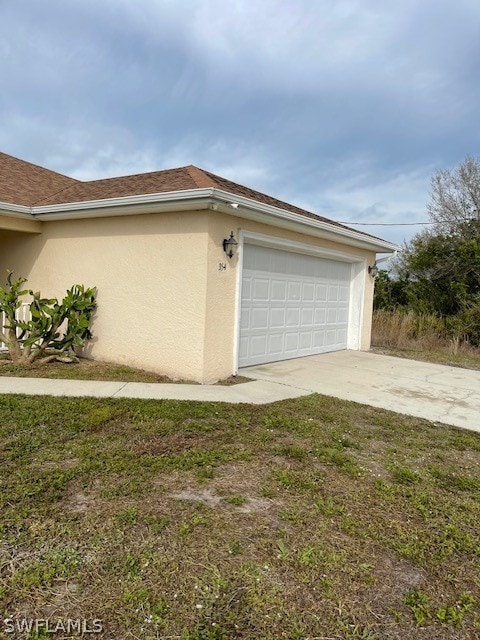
{"x": 387, "y": 224}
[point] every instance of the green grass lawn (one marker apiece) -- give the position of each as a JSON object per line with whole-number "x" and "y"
{"x": 308, "y": 518}
{"x": 92, "y": 370}
{"x": 83, "y": 370}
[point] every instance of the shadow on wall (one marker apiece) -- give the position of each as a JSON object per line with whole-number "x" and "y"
{"x": 21, "y": 248}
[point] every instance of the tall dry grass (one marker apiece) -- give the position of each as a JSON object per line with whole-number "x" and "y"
{"x": 408, "y": 330}
{"x": 426, "y": 334}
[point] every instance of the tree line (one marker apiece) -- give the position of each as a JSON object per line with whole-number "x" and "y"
{"x": 438, "y": 270}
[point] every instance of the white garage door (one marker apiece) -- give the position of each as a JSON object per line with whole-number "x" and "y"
{"x": 292, "y": 305}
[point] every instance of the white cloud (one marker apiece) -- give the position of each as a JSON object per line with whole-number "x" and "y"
{"x": 345, "y": 108}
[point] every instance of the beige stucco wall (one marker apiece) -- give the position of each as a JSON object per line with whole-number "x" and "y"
{"x": 164, "y": 303}
{"x": 150, "y": 271}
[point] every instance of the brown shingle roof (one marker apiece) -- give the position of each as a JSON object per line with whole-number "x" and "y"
{"x": 246, "y": 192}
{"x": 24, "y": 183}
{"x": 135, "y": 185}
{"x": 28, "y": 184}
{"x": 189, "y": 177}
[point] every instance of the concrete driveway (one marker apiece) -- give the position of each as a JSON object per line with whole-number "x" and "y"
{"x": 436, "y": 392}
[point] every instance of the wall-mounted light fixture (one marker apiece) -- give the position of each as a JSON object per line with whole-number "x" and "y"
{"x": 373, "y": 270}
{"x": 230, "y": 245}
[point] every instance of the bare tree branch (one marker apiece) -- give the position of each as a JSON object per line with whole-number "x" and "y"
{"x": 455, "y": 196}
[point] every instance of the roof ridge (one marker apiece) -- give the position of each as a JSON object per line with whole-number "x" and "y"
{"x": 116, "y": 179}
{"x": 135, "y": 175}
{"x": 201, "y": 177}
{"x": 212, "y": 175}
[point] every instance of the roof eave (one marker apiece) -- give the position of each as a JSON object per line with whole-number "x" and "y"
{"x": 210, "y": 198}
{"x": 15, "y": 217}
{"x": 58, "y": 211}
{"x": 250, "y": 209}
{"x": 15, "y": 210}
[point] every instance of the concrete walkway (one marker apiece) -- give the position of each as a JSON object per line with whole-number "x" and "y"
{"x": 255, "y": 392}
{"x": 436, "y": 392}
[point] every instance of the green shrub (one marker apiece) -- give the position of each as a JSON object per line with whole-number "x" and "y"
{"x": 53, "y": 329}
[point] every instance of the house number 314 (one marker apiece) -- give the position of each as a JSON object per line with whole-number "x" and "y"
{"x": 222, "y": 266}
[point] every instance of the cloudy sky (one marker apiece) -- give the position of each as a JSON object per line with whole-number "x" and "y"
{"x": 344, "y": 107}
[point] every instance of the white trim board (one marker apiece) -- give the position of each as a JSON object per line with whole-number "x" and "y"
{"x": 261, "y": 239}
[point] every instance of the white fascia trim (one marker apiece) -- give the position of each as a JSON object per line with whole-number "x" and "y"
{"x": 135, "y": 204}
{"x": 16, "y": 210}
{"x": 252, "y": 237}
{"x": 381, "y": 246}
{"x": 207, "y": 197}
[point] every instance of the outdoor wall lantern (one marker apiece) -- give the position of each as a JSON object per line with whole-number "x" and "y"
{"x": 373, "y": 270}
{"x": 230, "y": 245}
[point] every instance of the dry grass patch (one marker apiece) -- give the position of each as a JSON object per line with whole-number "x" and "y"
{"x": 420, "y": 337}
{"x": 468, "y": 358}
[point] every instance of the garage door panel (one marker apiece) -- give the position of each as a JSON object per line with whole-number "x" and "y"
{"x": 275, "y": 344}
{"x": 308, "y": 292}
{"x": 305, "y": 341}
{"x": 344, "y": 294}
{"x": 332, "y": 293}
{"x": 245, "y": 319}
{"x": 246, "y": 287}
{"x": 318, "y": 339}
{"x": 281, "y": 263}
{"x": 321, "y": 292}
{"x": 243, "y": 346}
{"x": 295, "y": 264}
{"x": 259, "y": 318}
{"x": 258, "y": 345}
{"x": 248, "y": 261}
{"x": 294, "y": 291}
{"x": 277, "y": 318}
{"x": 262, "y": 261}
{"x": 320, "y": 316}
{"x": 260, "y": 289}
{"x": 278, "y": 290}
{"x": 293, "y": 317}
{"x": 339, "y": 270}
{"x": 306, "y": 316}
{"x": 330, "y": 337}
{"x": 291, "y": 305}
{"x": 331, "y": 316}
{"x": 321, "y": 269}
{"x": 291, "y": 342}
